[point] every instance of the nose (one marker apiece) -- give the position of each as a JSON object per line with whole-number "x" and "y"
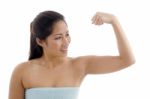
{"x": 66, "y": 41}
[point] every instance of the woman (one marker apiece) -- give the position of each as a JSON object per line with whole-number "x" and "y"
{"x": 49, "y": 73}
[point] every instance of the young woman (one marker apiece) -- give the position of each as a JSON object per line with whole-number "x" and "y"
{"x": 50, "y": 73}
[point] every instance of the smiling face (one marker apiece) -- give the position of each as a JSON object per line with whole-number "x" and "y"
{"x": 57, "y": 43}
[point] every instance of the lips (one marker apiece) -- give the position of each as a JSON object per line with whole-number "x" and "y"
{"x": 64, "y": 49}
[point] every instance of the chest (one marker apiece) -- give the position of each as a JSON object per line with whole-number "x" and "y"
{"x": 59, "y": 76}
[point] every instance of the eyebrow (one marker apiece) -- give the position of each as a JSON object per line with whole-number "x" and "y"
{"x": 58, "y": 34}
{"x": 61, "y": 33}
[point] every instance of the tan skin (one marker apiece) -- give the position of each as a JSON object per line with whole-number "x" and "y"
{"x": 55, "y": 69}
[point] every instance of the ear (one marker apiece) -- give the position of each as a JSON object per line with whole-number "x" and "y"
{"x": 40, "y": 42}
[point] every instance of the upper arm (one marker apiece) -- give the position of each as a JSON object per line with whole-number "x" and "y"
{"x": 16, "y": 89}
{"x": 104, "y": 64}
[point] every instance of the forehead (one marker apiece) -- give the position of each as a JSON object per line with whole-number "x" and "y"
{"x": 60, "y": 27}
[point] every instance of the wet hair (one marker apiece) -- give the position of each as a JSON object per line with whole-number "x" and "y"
{"x": 41, "y": 27}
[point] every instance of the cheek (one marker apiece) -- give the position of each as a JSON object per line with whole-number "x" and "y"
{"x": 55, "y": 45}
{"x": 52, "y": 44}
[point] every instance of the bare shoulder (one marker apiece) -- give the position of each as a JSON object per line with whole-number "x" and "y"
{"x": 78, "y": 63}
{"x": 80, "y": 60}
{"x": 16, "y": 88}
{"x": 21, "y": 71}
{"x": 20, "y": 68}
{"x": 25, "y": 65}
{"x": 77, "y": 59}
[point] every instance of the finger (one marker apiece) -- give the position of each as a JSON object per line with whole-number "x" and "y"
{"x": 95, "y": 19}
{"x": 98, "y": 20}
{"x": 92, "y": 18}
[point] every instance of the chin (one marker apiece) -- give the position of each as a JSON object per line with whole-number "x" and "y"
{"x": 63, "y": 55}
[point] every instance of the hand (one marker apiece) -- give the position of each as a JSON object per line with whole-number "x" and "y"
{"x": 99, "y": 18}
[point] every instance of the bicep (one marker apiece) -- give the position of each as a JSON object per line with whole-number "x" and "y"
{"x": 16, "y": 90}
{"x": 103, "y": 64}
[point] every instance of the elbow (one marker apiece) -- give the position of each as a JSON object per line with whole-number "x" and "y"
{"x": 129, "y": 62}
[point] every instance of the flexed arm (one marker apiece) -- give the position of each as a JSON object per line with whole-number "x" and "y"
{"x": 105, "y": 64}
{"x": 124, "y": 48}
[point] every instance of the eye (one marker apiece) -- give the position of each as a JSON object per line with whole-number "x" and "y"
{"x": 57, "y": 38}
{"x": 67, "y": 34}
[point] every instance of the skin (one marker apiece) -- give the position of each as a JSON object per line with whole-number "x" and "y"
{"x": 55, "y": 69}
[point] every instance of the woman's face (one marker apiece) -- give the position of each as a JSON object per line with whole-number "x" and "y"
{"x": 57, "y": 43}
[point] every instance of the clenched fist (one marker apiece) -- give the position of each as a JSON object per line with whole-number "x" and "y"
{"x": 99, "y": 18}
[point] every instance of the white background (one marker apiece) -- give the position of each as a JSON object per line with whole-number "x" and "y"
{"x": 129, "y": 83}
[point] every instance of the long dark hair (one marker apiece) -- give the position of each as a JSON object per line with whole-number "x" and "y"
{"x": 41, "y": 27}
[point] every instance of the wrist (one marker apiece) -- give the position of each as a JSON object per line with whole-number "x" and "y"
{"x": 114, "y": 20}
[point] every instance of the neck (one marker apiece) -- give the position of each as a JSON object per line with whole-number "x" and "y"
{"x": 53, "y": 61}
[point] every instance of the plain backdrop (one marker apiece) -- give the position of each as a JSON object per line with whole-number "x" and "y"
{"x": 87, "y": 39}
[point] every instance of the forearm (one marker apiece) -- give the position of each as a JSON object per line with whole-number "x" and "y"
{"x": 124, "y": 48}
